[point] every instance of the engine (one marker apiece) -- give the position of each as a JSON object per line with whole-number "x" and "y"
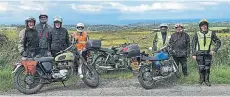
{"x": 62, "y": 70}
{"x": 64, "y": 65}
{"x": 166, "y": 68}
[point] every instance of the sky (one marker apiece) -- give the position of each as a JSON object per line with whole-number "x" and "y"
{"x": 112, "y": 11}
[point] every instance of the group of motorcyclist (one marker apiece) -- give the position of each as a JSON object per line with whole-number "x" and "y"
{"x": 202, "y": 50}
{"x": 43, "y": 40}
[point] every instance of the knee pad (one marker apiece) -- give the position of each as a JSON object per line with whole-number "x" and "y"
{"x": 207, "y": 69}
{"x": 201, "y": 69}
{"x": 208, "y": 63}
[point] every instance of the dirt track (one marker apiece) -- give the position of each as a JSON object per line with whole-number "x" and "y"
{"x": 129, "y": 87}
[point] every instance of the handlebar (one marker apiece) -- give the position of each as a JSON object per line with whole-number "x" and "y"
{"x": 67, "y": 49}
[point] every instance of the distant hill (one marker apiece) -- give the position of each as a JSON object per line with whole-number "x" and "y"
{"x": 140, "y": 25}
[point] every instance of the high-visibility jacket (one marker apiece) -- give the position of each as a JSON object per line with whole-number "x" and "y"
{"x": 204, "y": 41}
{"x": 81, "y": 40}
{"x": 160, "y": 42}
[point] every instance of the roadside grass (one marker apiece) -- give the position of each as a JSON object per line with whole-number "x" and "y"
{"x": 6, "y": 79}
{"x": 219, "y": 74}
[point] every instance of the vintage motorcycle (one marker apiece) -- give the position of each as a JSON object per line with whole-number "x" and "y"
{"x": 30, "y": 74}
{"x": 149, "y": 72}
{"x": 109, "y": 59}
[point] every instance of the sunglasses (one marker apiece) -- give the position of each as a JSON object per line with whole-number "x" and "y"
{"x": 80, "y": 27}
{"x": 43, "y": 17}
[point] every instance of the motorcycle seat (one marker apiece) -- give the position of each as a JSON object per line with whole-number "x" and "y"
{"x": 152, "y": 58}
{"x": 44, "y": 59}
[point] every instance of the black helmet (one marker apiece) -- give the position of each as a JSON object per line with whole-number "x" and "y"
{"x": 202, "y": 22}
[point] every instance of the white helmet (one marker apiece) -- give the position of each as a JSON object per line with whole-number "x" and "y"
{"x": 80, "y": 27}
{"x": 57, "y": 19}
{"x": 164, "y": 25}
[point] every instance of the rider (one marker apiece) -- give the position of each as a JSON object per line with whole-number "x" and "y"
{"x": 160, "y": 40}
{"x": 80, "y": 38}
{"x": 202, "y": 51}
{"x": 58, "y": 37}
{"x": 43, "y": 29}
{"x": 28, "y": 39}
{"x": 180, "y": 43}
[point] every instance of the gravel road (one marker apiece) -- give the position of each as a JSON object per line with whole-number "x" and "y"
{"x": 128, "y": 87}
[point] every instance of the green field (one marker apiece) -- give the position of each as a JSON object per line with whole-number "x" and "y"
{"x": 219, "y": 73}
{"x": 217, "y": 28}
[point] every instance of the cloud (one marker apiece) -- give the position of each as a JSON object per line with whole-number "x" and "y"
{"x": 32, "y": 5}
{"x": 24, "y": 7}
{"x": 153, "y": 7}
{"x": 87, "y": 7}
{"x": 3, "y": 6}
{"x": 128, "y": 7}
{"x": 138, "y": 8}
{"x": 41, "y": 6}
{"x": 208, "y": 3}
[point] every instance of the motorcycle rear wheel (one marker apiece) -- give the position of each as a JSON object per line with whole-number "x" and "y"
{"x": 98, "y": 62}
{"x": 28, "y": 81}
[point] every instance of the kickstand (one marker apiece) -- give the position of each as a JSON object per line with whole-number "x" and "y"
{"x": 63, "y": 83}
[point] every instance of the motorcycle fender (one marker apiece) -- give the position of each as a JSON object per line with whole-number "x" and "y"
{"x": 139, "y": 71}
{"x": 17, "y": 66}
{"x": 80, "y": 70}
{"x": 174, "y": 68}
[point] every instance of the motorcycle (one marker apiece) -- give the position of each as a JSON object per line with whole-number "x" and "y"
{"x": 149, "y": 72}
{"x": 31, "y": 74}
{"x": 109, "y": 59}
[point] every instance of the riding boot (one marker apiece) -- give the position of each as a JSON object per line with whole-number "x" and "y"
{"x": 207, "y": 73}
{"x": 183, "y": 62}
{"x": 184, "y": 70}
{"x": 201, "y": 78}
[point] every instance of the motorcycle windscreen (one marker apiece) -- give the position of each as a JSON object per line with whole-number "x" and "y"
{"x": 162, "y": 56}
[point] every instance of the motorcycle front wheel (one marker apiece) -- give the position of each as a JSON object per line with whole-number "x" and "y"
{"x": 176, "y": 69}
{"x": 145, "y": 77}
{"x": 27, "y": 84}
{"x": 90, "y": 76}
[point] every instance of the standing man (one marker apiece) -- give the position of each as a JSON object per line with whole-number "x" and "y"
{"x": 180, "y": 43}
{"x": 43, "y": 30}
{"x": 28, "y": 39}
{"x": 160, "y": 40}
{"x": 58, "y": 37}
{"x": 202, "y": 51}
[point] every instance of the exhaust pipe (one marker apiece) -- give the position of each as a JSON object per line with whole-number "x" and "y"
{"x": 162, "y": 77}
